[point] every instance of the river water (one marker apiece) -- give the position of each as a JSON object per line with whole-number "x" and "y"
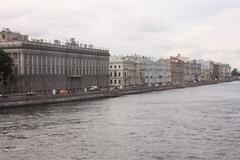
{"x": 184, "y": 124}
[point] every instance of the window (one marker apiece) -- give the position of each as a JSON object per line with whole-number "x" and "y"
{"x": 15, "y": 71}
{"x": 115, "y": 81}
{"x": 119, "y": 82}
{"x": 119, "y": 66}
{"x": 115, "y": 74}
{"x": 115, "y": 66}
{"x": 110, "y": 66}
{"x": 119, "y": 74}
{"x": 111, "y": 81}
{"x": 110, "y": 74}
{"x": 3, "y": 36}
{"x": 34, "y": 64}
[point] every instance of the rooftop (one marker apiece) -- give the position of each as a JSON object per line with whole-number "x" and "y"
{"x": 9, "y": 38}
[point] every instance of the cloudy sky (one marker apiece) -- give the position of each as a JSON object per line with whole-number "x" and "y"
{"x": 201, "y": 29}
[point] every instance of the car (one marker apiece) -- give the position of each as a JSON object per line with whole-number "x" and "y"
{"x": 63, "y": 92}
{"x": 93, "y": 88}
{"x": 3, "y": 96}
{"x": 31, "y": 93}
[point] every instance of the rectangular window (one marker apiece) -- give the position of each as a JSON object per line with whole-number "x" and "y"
{"x": 15, "y": 58}
{"x": 25, "y": 64}
{"x": 48, "y": 65}
{"x": 77, "y": 66}
{"x": 81, "y": 67}
{"x": 44, "y": 64}
{"x": 40, "y": 64}
{"x": 30, "y": 64}
{"x": 34, "y": 64}
{"x": 53, "y": 65}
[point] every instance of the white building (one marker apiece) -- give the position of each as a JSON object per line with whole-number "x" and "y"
{"x": 149, "y": 70}
{"x": 165, "y": 71}
{"x": 206, "y": 70}
{"x": 152, "y": 71}
{"x": 122, "y": 72}
{"x": 43, "y": 67}
{"x": 129, "y": 71}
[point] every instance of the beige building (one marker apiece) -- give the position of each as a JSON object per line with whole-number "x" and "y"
{"x": 129, "y": 71}
{"x": 44, "y": 67}
{"x": 177, "y": 70}
{"x": 122, "y": 71}
{"x": 224, "y": 71}
{"x": 192, "y": 69}
{"x": 214, "y": 71}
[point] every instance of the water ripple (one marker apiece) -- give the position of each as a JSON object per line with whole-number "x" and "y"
{"x": 200, "y": 123}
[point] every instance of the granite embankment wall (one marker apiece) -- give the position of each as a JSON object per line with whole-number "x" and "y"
{"x": 40, "y": 100}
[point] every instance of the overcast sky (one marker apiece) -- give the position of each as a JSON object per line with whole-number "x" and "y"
{"x": 201, "y": 29}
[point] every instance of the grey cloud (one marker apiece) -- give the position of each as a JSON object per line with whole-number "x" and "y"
{"x": 152, "y": 27}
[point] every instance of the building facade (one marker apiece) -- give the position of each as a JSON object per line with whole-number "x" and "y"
{"x": 192, "y": 71}
{"x": 44, "y": 67}
{"x": 177, "y": 70}
{"x": 224, "y": 71}
{"x": 149, "y": 70}
{"x": 130, "y": 71}
{"x": 165, "y": 74}
{"x": 152, "y": 71}
{"x": 185, "y": 70}
{"x": 206, "y": 70}
{"x": 122, "y": 72}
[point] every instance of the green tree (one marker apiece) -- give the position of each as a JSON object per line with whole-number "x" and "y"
{"x": 5, "y": 68}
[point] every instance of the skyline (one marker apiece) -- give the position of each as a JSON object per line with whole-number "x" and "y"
{"x": 199, "y": 30}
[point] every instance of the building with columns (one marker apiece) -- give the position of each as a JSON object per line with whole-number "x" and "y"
{"x": 164, "y": 71}
{"x": 122, "y": 71}
{"x": 177, "y": 70}
{"x": 191, "y": 71}
{"x": 42, "y": 66}
{"x": 223, "y": 71}
{"x": 152, "y": 71}
{"x": 206, "y": 70}
{"x": 130, "y": 71}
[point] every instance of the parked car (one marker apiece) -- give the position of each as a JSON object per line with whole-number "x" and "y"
{"x": 31, "y": 93}
{"x": 3, "y": 96}
{"x": 63, "y": 92}
{"x": 93, "y": 88}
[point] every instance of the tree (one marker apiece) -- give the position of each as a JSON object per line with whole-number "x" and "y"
{"x": 234, "y": 73}
{"x": 5, "y": 68}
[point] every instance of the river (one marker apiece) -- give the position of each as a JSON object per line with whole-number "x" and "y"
{"x": 183, "y": 124}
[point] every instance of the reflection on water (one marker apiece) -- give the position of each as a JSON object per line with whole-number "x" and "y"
{"x": 192, "y": 123}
